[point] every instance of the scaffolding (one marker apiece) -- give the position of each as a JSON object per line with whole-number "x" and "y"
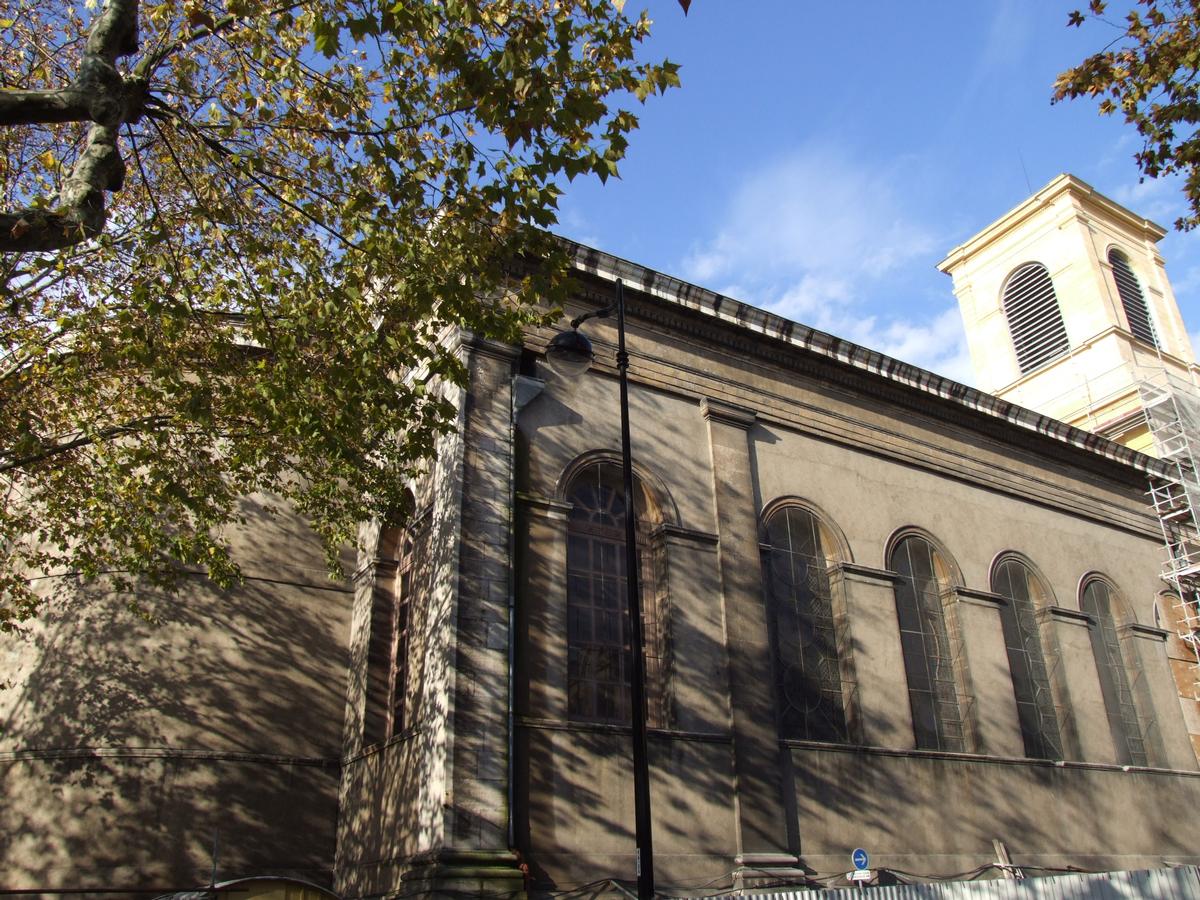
{"x": 1172, "y": 410}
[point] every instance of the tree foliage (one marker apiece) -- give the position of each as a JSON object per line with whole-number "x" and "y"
{"x": 236, "y": 233}
{"x": 1149, "y": 73}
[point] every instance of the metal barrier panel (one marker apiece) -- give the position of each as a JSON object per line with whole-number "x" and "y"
{"x": 1180, "y": 883}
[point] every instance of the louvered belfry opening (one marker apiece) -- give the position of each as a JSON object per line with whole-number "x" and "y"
{"x": 1137, "y": 312}
{"x": 1034, "y": 318}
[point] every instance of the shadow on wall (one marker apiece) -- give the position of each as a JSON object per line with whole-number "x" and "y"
{"x": 128, "y": 746}
{"x": 574, "y": 807}
{"x": 935, "y": 813}
{"x": 393, "y": 792}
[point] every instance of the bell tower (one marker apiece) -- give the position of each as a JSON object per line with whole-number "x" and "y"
{"x": 1067, "y": 307}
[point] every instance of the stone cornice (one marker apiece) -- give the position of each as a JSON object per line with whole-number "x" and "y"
{"x": 1084, "y": 198}
{"x": 686, "y": 535}
{"x": 715, "y": 411}
{"x": 489, "y": 347}
{"x": 980, "y": 598}
{"x": 1067, "y": 616}
{"x": 687, "y": 308}
{"x": 866, "y": 573}
{"x": 1146, "y": 632}
{"x": 544, "y": 506}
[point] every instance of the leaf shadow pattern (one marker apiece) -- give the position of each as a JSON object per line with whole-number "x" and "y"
{"x": 923, "y": 812}
{"x": 148, "y": 751}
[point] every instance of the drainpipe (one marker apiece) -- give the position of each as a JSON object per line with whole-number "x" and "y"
{"x": 525, "y": 390}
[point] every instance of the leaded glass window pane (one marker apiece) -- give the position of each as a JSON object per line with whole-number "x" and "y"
{"x": 599, "y": 661}
{"x": 1114, "y": 683}
{"x": 1031, "y": 684}
{"x": 937, "y": 724}
{"x": 800, "y": 621}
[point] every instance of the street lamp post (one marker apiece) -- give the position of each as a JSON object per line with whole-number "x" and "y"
{"x": 569, "y": 353}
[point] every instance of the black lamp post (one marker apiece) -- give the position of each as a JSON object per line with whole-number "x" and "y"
{"x": 570, "y": 353}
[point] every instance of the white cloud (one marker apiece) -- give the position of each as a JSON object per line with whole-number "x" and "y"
{"x": 1159, "y": 199}
{"x": 811, "y": 211}
{"x": 938, "y": 343}
{"x": 823, "y": 241}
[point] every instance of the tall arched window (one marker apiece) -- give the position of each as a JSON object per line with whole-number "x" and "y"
{"x": 1137, "y": 312}
{"x": 1031, "y": 685}
{"x": 924, "y": 578}
{"x": 1097, "y": 600}
{"x": 387, "y": 649}
{"x": 1034, "y": 319}
{"x": 598, "y": 639}
{"x": 796, "y": 557}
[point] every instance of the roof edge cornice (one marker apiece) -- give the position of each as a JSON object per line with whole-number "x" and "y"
{"x": 734, "y": 313}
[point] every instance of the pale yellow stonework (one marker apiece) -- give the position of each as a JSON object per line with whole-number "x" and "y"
{"x": 1070, "y": 228}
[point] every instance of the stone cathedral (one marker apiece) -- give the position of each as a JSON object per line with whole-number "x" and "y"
{"x": 882, "y": 610}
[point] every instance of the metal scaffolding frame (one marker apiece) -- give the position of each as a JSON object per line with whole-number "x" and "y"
{"x": 1172, "y": 410}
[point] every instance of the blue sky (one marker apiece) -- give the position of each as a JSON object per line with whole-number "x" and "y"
{"x": 821, "y": 159}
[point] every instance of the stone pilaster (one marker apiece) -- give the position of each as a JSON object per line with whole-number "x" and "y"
{"x": 762, "y": 825}
{"x": 1155, "y": 697}
{"x": 878, "y": 708}
{"x": 476, "y": 805}
{"x": 542, "y": 638}
{"x": 1075, "y": 682}
{"x": 985, "y": 688}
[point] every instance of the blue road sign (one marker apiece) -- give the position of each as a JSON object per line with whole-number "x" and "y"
{"x": 859, "y": 858}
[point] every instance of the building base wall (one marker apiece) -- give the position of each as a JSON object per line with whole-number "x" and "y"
{"x": 144, "y": 820}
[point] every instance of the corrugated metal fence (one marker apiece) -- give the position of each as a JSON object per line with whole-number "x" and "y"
{"x": 1181, "y": 883}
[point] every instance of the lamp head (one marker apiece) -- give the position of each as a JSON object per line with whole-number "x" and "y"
{"x": 569, "y": 354}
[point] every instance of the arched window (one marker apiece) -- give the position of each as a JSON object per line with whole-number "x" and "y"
{"x": 1034, "y": 319}
{"x": 796, "y": 557}
{"x": 1031, "y": 685}
{"x": 924, "y": 578}
{"x": 1097, "y": 600}
{"x": 387, "y": 649}
{"x": 1137, "y": 313}
{"x": 598, "y": 639}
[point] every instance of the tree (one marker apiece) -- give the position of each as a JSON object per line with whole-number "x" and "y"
{"x": 1149, "y": 73}
{"x": 236, "y": 232}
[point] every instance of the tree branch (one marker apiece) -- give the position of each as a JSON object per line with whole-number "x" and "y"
{"x": 81, "y": 212}
{"x": 43, "y": 107}
{"x": 99, "y": 94}
{"x": 10, "y": 463}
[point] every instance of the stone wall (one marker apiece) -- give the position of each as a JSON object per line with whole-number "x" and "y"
{"x": 726, "y": 424}
{"x": 137, "y": 746}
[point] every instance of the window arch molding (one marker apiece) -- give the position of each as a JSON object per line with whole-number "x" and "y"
{"x": 659, "y": 505}
{"x": 1163, "y": 601}
{"x": 953, "y": 572}
{"x": 1100, "y": 598}
{"x": 830, "y": 530}
{"x": 1123, "y": 613}
{"x": 1034, "y": 316}
{"x": 1047, "y": 598}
